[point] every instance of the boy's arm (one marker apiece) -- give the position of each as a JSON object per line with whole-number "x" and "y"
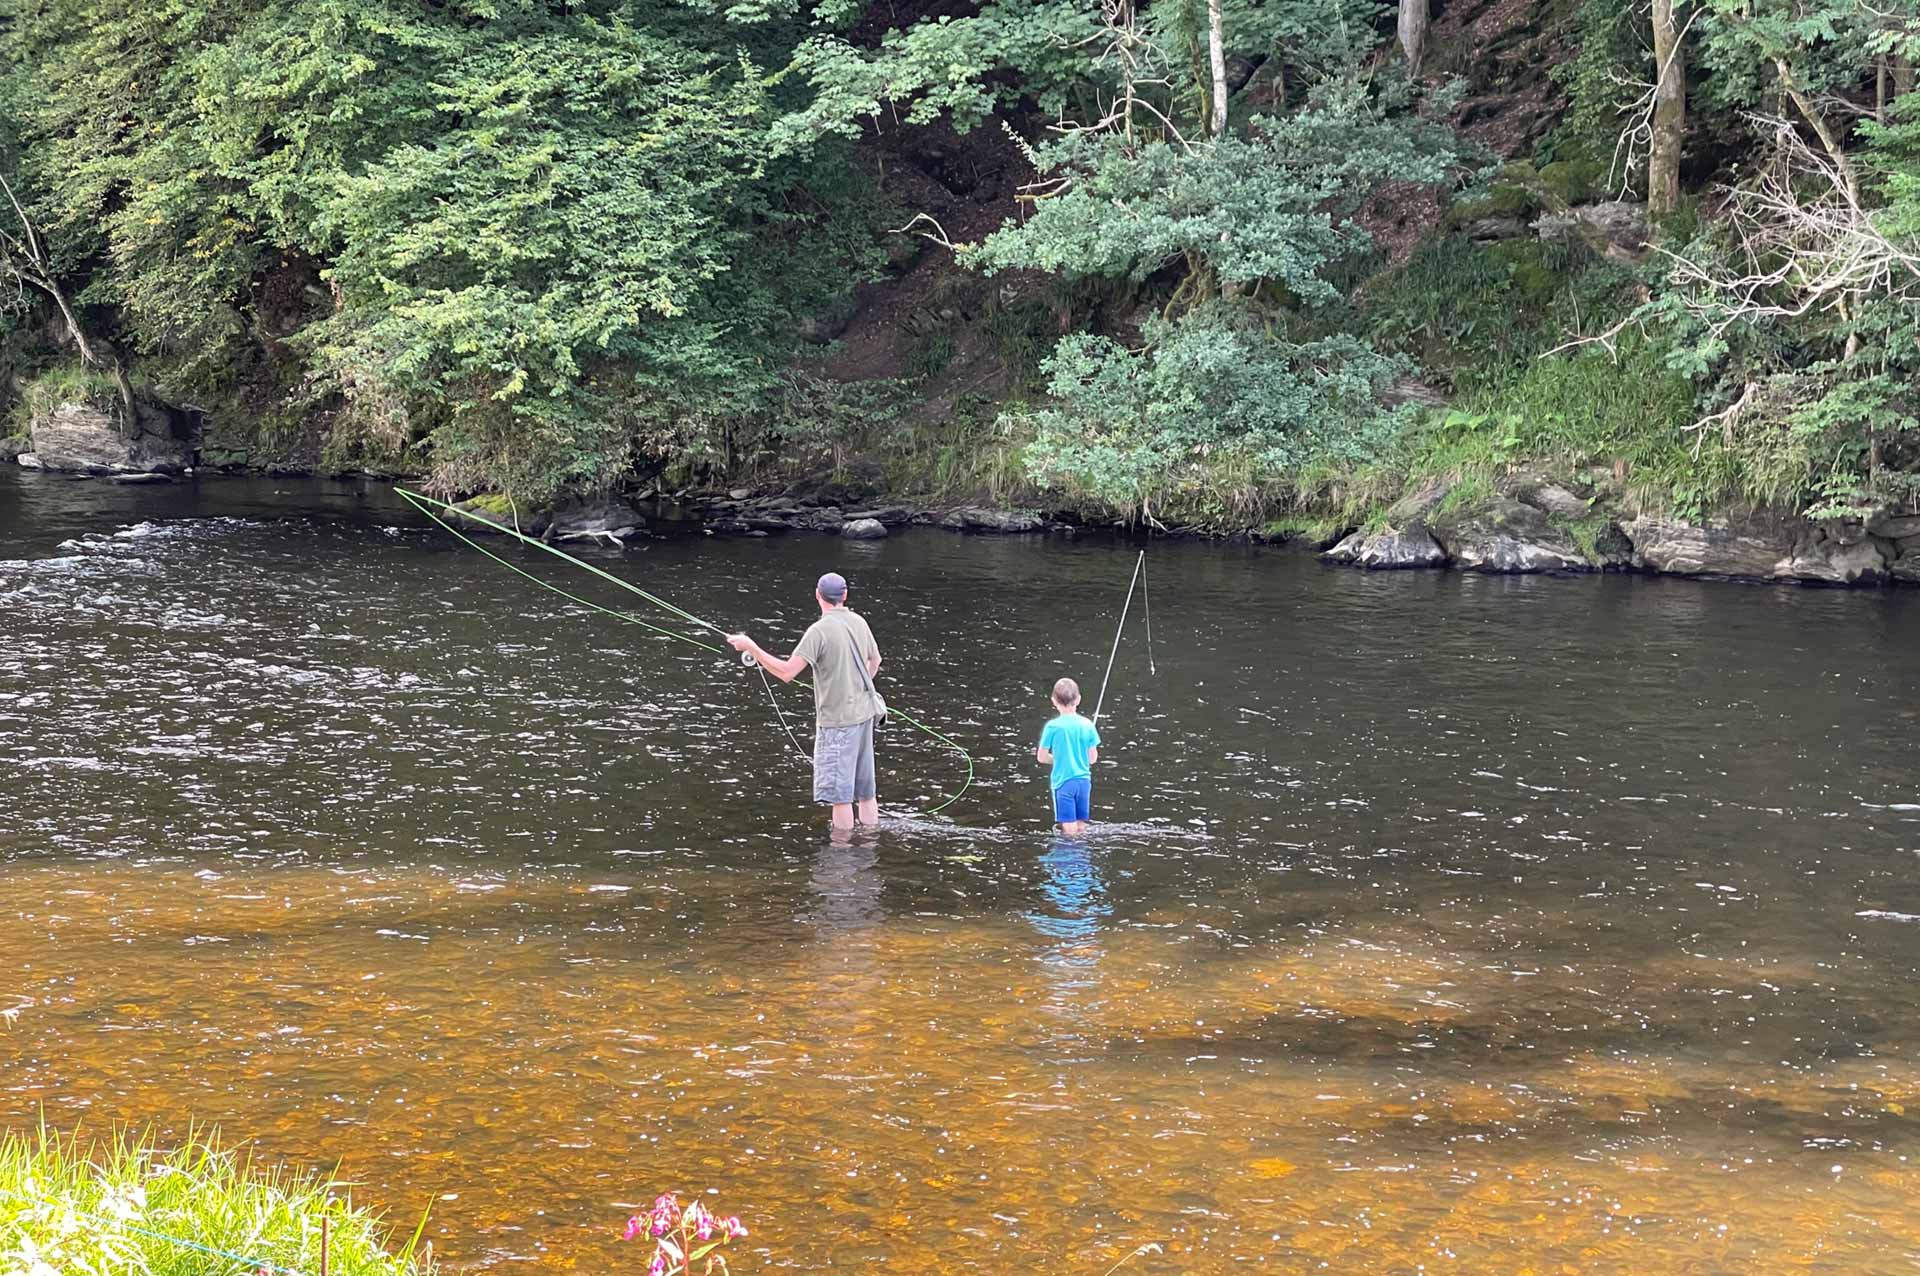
{"x": 1043, "y": 755}
{"x": 1093, "y": 755}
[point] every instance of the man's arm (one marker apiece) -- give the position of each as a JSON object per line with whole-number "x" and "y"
{"x": 785, "y": 670}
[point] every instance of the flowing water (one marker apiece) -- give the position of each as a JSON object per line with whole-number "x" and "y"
{"x": 1438, "y": 923}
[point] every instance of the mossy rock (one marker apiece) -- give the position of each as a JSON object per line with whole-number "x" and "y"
{"x": 1574, "y": 181}
{"x": 498, "y": 509}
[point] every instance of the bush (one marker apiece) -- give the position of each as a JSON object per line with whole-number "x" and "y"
{"x": 200, "y": 1210}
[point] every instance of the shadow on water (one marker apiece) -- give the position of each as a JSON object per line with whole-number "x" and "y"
{"x": 1433, "y": 922}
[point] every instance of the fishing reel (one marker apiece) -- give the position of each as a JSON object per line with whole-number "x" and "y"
{"x": 746, "y": 658}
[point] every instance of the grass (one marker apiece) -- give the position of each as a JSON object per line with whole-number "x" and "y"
{"x": 64, "y": 383}
{"x": 127, "y": 1206}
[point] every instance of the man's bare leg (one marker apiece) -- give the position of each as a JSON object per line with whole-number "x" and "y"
{"x": 843, "y": 815}
{"x": 870, "y": 810}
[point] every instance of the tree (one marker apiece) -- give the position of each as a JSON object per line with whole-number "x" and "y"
{"x": 1669, "y": 115}
{"x": 1412, "y": 30}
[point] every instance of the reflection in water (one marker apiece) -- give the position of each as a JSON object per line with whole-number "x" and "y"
{"x": 1551, "y": 926}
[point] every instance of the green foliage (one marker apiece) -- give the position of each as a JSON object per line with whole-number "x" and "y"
{"x": 61, "y": 383}
{"x": 129, "y": 1206}
{"x": 1140, "y": 431}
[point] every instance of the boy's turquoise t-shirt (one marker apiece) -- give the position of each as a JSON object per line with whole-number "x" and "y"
{"x": 1070, "y": 738}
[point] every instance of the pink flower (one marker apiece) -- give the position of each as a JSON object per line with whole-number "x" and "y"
{"x": 659, "y": 1265}
{"x": 635, "y": 1226}
{"x": 734, "y": 1226}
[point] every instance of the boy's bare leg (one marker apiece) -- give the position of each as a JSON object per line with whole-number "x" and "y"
{"x": 1076, "y": 829}
{"x": 869, "y": 811}
{"x": 843, "y": 815}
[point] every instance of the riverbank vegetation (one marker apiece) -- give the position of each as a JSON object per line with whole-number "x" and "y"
{"x": 1235, "y": 263}
{"x": 199, "y": 1210}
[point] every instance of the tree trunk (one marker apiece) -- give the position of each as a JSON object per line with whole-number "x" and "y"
{"x": 1669, "y": 112}
{"x": 1413, "y": 32}
{"x": 1217, "y": 57}
{"x": 1902, "y": 71}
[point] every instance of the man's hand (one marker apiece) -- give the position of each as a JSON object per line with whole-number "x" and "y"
{"x": 740, "y": 642}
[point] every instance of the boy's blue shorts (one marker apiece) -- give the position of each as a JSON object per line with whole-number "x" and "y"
{"x": 1073, "y": 801}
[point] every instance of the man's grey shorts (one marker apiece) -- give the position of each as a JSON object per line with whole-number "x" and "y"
{"x": 843, "y": 764}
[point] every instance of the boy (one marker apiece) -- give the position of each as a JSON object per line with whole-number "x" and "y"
{"x": 1072, "y": 745}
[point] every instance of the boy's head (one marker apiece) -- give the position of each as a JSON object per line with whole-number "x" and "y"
{"x": 1066, "y": 695}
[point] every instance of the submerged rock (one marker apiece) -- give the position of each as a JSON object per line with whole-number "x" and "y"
{"x": 1389, "y": 550}
{"x": 864, "y": 529}
{"x": 28, "y": 461}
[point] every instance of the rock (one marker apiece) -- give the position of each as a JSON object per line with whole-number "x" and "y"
{"x": 1895, "y": 527}
{"x": 1388, "y": 550}
{"x": 497, "y": 511}
{"x": 1618, "y": 227}
{"x": 1906, "y": 568}
{"x": 1551, "y": 498}
{"x": 740, "y": 494}
{"x": 826, "y": 324}
{"x": 1506, "y": 536}
{"x": 11, "y": 448}
{"x": 603, "y": 518}
{"x": 890, "y": 515}
{"x": 985, "y": 520}
{"x": 1418, "y": 506}
{"x": 1717, "y": 549}
{"x": 142, "y": 478}
{"x": 28, "y": 461}
{"x": 864, "y": 529}
{"x": 1824, "y": 561}
{"x": 1487, "y": 229}
{"x": 85, "y": 440}
{"x": 1845, "y": 531}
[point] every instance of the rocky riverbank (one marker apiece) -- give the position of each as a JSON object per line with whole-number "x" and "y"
{"x": 1530, "y": 521}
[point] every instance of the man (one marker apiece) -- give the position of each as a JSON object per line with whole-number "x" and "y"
{"x": 840, "y": 650}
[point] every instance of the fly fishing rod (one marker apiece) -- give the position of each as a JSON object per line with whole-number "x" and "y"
{"x": 427, "y": 505}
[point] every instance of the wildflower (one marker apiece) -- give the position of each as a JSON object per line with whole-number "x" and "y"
{"x": 734, "y": 1226}
{"x": 659, "y": 1265}
{"x": 635, "y": 1226}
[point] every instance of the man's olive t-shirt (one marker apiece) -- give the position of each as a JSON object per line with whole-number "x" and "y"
{"x": 840, "y": 696}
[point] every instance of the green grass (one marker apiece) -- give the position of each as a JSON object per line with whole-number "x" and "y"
{"x": 64, "y": 383}
{"x": 69, "y": 1208}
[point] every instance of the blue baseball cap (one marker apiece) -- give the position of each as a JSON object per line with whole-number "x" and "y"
{"x": 833, "y": 587}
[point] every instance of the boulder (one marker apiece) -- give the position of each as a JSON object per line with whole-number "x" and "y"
{"x": 864, "y": 529}
{"x": 1716, "y": 549}
{"x": 1906, "y": 568}
{"x": 83, "y": 439}
{"x": 1617, "y": 228}
{"x": 11, "y": 448}
{"x": 1506, "y": 536}
{"x": 1388, "y": 549}
{"x": 890, "y": 515}
{"x": 1488, "y": 229}
{"x": 607, "y": 518}
{"x": 1895, "y": 527}
{"x": 1826, "y": 560}
{"x": 1551, "y": 498}
{"x": 496, "y": 511}
{"x": 28, "y": 461}
{"x": 973, "y": 519}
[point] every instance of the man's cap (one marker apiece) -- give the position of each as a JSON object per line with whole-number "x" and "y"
{"x": 832, "y": 587}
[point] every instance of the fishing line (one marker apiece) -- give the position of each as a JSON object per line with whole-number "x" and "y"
{"x": 422, "y": 503}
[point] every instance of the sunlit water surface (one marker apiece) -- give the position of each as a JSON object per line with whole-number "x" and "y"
{"x": 1441, "y": 923}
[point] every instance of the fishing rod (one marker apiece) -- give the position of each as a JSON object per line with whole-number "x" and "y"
{"x": 1139, "y": 581}
{"x": 427, "y": 504}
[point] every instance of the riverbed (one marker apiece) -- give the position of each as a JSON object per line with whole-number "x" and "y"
{"x": 1434, "y": 923}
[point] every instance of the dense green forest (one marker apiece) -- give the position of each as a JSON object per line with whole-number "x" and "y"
{"x": 1227, "y": 261}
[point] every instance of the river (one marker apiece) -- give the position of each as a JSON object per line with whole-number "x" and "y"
{"x": 1438, "y": 923}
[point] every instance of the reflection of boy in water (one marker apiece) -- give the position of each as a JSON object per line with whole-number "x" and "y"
{"x": 1072, "y": 745}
